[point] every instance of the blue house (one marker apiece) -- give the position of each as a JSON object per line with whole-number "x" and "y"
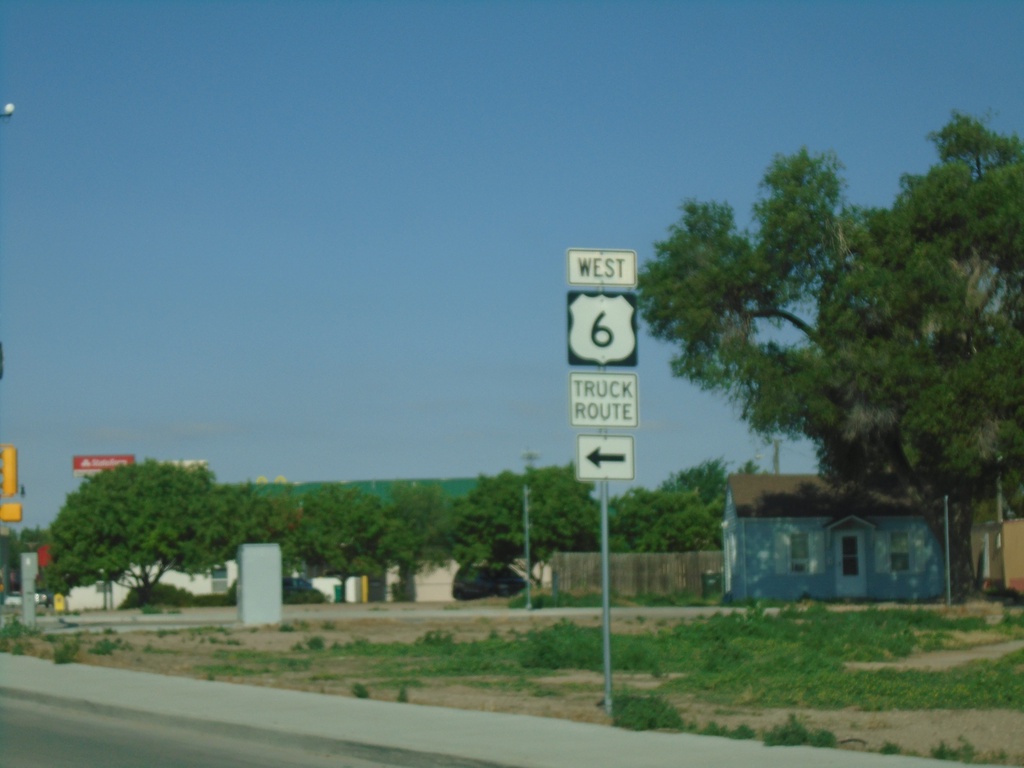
{"x": 795, "y": 536}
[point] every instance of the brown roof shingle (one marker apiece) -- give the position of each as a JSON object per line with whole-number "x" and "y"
{"x": 807, "y": 496}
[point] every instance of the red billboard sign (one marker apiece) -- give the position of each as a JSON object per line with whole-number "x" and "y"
{"x": 81, "y": 466}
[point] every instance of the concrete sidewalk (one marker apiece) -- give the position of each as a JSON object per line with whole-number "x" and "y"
{"x": 417, "y": 735}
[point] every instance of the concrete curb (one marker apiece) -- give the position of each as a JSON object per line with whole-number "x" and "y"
{"x": 409, "y": 734}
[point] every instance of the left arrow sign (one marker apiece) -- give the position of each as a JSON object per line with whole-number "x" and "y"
{"x": 604, "y": 457}
{"x": 596, "y": 457}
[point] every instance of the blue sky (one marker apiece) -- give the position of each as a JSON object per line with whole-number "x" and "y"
{"x": 326, "y": 240}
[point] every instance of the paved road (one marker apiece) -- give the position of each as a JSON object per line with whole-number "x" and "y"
{"x": 34, "y": 735}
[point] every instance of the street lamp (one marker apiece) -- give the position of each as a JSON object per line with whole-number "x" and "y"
{"x": 529, "y": 457}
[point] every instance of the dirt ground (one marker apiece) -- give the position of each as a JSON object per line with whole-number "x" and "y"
{"x": 997, "y": 736}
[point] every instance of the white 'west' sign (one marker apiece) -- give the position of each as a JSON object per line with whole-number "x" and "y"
{"x": 602, "y": 267}
{"x": 606, "y": 400}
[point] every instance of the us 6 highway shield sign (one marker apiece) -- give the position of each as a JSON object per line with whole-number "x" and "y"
{"x": 602, "y": 329}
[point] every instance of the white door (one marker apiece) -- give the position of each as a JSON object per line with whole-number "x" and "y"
{"x": 851, "y": 579}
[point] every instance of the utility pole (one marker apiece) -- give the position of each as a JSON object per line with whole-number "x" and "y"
{"x": 999, "y": 489}
{"x": 5, "y": 532}
{"x": 529, "y": 457}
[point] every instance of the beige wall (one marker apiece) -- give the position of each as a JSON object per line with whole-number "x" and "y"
{"x": 1013, "y": 554}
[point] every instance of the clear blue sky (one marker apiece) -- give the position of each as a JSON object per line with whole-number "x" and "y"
{"x": 326, "y": 240}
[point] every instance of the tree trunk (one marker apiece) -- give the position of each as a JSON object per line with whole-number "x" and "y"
{"x": 407, "y": 582}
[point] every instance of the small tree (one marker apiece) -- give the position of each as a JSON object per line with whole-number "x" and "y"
{"x": 419, "y": 531}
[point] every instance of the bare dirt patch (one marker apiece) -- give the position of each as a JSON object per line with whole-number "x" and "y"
{"x": 278, "y": 657}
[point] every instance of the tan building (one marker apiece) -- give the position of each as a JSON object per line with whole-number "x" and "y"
{"x": 998, "y": 551}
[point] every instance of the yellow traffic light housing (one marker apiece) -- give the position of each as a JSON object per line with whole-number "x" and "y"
{"x": 9, "y": 458}
{"x": 10, "y": 513}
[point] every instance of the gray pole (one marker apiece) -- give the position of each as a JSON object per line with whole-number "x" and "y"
{"x": 526, "y": 531}
{"x": 529, "y": 457}
{"x": 606, "y": 611}
{"x": 949, "y": 590}
{"x": 4, "y": 570}
{"x": 5, "y": 566}
{"x": 29, "y": 572}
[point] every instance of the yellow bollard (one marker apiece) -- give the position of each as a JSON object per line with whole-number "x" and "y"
{"x": 58, "y": 603}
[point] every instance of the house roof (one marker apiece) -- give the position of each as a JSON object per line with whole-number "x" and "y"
{"x": 764, "y": 496}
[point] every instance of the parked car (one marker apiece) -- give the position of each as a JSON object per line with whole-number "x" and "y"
{"x": 296, "y": 584}
{"x": 474, "y": 581}
{"x": 299, "y": 590}
{"x": 43, "y": 599}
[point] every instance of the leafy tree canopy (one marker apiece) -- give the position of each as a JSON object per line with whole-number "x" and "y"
{"x": 489, "y": 520}
{"x": 132, "y": 524}
{"x": 683, "y": 515}
{"x": 893, "y": 338}
{"x": 707, "y": 480}
{"x": 663, "y": 521}
{"x": 343, "y": 530}
{"x": 419, "y": 531}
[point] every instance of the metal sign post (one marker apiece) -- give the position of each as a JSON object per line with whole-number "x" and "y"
{"x": 603, "y": 332}
{"x": 606, "y": 607}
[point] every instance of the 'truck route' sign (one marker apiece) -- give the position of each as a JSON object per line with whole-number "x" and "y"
{"x": 605, "y": 400}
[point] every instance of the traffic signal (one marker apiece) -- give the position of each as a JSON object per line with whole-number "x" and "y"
{"x": 9, "y": 459}
{"x": 10, "y": 513}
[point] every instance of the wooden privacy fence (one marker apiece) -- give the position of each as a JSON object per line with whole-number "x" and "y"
{"x": 640, "y": 574}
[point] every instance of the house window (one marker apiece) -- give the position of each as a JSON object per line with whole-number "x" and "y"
{"x": 799, "y": 553}
{"x": 219, "y": 578}
{"x": 899, "y": 551}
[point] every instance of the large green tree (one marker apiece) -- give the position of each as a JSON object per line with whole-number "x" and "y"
{"x": 893, "y": 337}
{"x": 684, "y": 514}
{"x": 489, "y": 520}
{"x": 642, "y": 520}
{"x": 132, "y": 524}
{"x": 343, "y": 530}
{"x": 250, "y": 514}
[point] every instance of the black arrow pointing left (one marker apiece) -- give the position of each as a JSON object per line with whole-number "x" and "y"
{"x": 595, "y": 457}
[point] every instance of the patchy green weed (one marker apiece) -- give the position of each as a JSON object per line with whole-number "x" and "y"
{"x": 645, "y": 713}
{"x": 794, "y": 733}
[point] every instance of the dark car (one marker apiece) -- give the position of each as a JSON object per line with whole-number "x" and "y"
{"x": 299, "y": 590}
{"x": 473, "y": 581}
{"x": 295, "y": 584}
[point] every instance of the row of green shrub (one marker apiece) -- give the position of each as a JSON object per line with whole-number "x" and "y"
{"x": 649, "y": 712}
{"x": 168, "y": 596}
